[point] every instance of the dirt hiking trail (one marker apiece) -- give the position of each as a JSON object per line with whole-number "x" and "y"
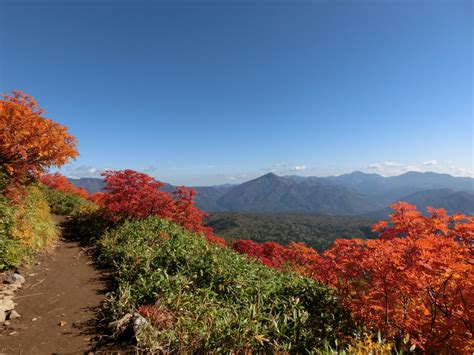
{"x": 57, "y": 304}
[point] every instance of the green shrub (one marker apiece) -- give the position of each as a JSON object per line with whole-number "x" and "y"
{"x": 25, "y": 228}
{"x": 10, "y": 249}
{"x": 63, "y": 203}
{"x": 205, "y": 297}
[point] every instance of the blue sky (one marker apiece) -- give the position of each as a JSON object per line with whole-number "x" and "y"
{"x": 207, "y": 92}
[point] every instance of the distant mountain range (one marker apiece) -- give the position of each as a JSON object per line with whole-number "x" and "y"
{"x": 91, "y": 185}
{"x": 356, "y": 193}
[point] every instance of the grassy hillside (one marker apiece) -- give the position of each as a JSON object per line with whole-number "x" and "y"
{"x": 201, "y": 297}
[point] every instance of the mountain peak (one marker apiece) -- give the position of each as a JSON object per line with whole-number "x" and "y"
{"x": 361, "y": 173}
{"x": 269, "y": 176}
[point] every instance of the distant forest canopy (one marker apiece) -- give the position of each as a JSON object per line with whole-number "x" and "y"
{"x": 316, "y": 231}
{"x": 354, "y": 194}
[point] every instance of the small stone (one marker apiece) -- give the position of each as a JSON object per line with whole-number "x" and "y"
{"x": 13, "y": 287}
{"x": 34, "y": 319}
{"x": 15, "y": 279}
{"x": 62, "y": 323}
{"x": 138, "y": 322}
{"x": 6, "y": 322}
{"x": 32, "y": 274}
{"x": 7, "y": 304}
{"x": 119, "y": 326}
{"x": 6, "y": 293}
{"x": 13, "y": 333}
{"x": 14, "y": 314}
{"x": 3, "y": 316}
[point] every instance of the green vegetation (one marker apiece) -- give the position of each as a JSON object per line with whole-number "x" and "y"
{"x": 10, "y": 248}
{"x": 64, "y": 203}
{"x": 25, "y": 228}
{"x": 199, "y": 297}
{"x": 316, "y": 231}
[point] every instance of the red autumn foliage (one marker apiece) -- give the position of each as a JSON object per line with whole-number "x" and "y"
{"x": 130, "y": 194}
{"x": 58, "y": 182}
{"x": 303, "y": 259}
{"x": 296, "y": 256}
{"x": 269, "y": 253}
{"x": 29, "y": 142}
{"x": 97, "y": 198}
{"x": 157, "y": 315}
{"x": 216, "y": 240}
{"x": 416, "y": 279}
{"x": 186, "y": 214}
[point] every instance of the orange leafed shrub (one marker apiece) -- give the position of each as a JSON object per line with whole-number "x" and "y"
{"x": 417, "y": 279}
{"x": 97, "y": 198}
{"x": 58, "y": 182}
{"x": 29, "y": 142}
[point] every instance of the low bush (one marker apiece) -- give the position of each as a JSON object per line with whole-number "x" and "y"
{"x": 66, "y": 203}
{"x": 10, "y": 249}
{"x": 25, "y": 228}
{"x": 199, "y": 296}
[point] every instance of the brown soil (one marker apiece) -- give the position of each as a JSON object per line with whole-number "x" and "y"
{"x": 58, "y": 304}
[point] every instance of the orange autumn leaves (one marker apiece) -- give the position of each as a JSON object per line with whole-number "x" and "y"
{"x": 415, "y": 280}
{"x": 29, "y": 142}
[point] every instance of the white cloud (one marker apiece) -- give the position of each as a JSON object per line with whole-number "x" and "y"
{"x": 284, "y": 168}
{"x": 387, "y": 164}
{"x": 298, "y": 168}
{"x": 78, "y": 171}
{"x": 430, "y": 162}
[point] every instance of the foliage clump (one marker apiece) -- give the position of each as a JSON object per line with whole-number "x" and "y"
{"x": 202, "y": 297}
{"x": 29, "y": 142}
{"x": 64, "y": 198}
{"x": 26, "y": 228}
{"x": 133, "y": 195}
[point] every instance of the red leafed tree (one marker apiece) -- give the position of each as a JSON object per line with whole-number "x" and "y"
{"x": 417, "y": 279}
{"x": 29, "y": 142}
{"x": 130, "y": 194}
{"x": 186, "y": 214}
{"x": 58, "y": 182}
